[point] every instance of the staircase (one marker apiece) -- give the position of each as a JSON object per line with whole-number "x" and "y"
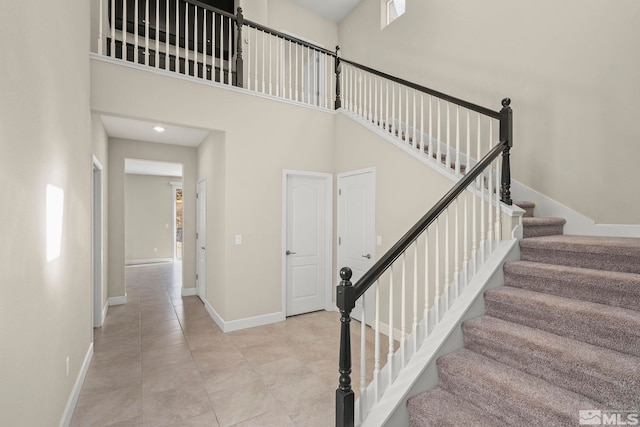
{"x": 562, "y": 335}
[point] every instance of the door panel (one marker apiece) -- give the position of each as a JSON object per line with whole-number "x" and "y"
{"x": 306, "y": 244}
{"x": 356, "y": 230}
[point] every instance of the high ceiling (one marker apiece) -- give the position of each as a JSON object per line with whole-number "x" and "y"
{"x": 333, "y": 10}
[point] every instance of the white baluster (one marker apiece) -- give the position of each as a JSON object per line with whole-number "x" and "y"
{"x": 391, "y": 343}
{"x": 403, "y": 312}
{"x": 436, "y": 303}
{"x": 124, "y": 30}
{"x": 230, "y": 54}
{"x": 371, "y": 104}
{"x": 365, "y": 101}
{"x": 177, "y": 62}
{"x": 113, "y": 28}
{"x": 376, "y": 366}
{"x": 146, "y": 32}
{"x": 263, "y": 61}
{"x": 136, "y": 22}
{"x": 483, "y": 236}
{"x": 498, "y": 227}
{"x": 422, "y": 150}
{"x": 426, "y": 284}
{"x": 157, "y": 57}
{"x": 490, "y": 235}
{"x": 195, "y": 41}
{"x": 387, "y": 120}
{"x": 456, "y": 275}
{"x": 448, "y": 156}
{"x": 415, "y": 296}
{"x": 415, "y": 127}
{"x": 100, "y": 28}
{"x": 393, "y": 127}
{"x": 457, "y": 140}
{"x": 186, "y": 38}
{"x": 466, "y": 208}
{"x": 278, "y": 65}
{"x": 438, "y": 139}
{"x": 270, "y": 66}
{"x": 398, "y": 127}
{"x": 255, "y": 65}
{"x": 363, "y": 359}
{"x": 406, "y": 104}
{"x": 447, "y": 266}
{"x": 205, "y": 43}
{"x": 290, "y": 75}
{"x": 221, "y": 50}
{"x": 167, "y": 55}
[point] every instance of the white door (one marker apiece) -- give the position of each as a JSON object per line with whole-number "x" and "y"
{"x": 306, "y": 243}
{"x": 201, "y": 239}
{"x": 356, "y": 230}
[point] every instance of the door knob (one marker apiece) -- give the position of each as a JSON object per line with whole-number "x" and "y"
{"x": 367, "y": 256}
{"x": 289, "y": 252}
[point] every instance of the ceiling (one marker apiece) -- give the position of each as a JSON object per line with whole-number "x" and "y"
{"x": 119, "y": 127}
{"x": 333, "y": 10}
{"x": 149, "y": 167}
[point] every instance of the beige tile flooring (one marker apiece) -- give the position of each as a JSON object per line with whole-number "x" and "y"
{"x": 160, "y": 360}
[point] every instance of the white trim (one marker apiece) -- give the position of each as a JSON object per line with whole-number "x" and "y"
{"x": 328, "y": 178}
{"x": 145, "y": 68}
{"x": 176, "y": 185}
{"x": 420, "y": 374}
{"x": 117, "y": 300}
{"x": 147, "y": 261}
{"x": 75, "y": 392}
{"x": 189, "y": 292}
{"x": 97, "y": 242}
{"x": 249, "y": 322}
{"x": 577, "y": 223}
{"x": 104, "y": 310}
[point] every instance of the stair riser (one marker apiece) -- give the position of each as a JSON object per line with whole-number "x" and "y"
{"x": 587, "y": 327}
{"x": 490, "y": 398}
{"x": 547, "y": 363}
{"x": 623, "y": 263}
{"x": 613, "y": 293}
{"x": 542, "y": 230}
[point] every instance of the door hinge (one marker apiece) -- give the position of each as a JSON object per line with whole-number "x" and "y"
{"x": 339, "y": 240}
{"x": 196, "y": 277}
{"x": 340, "y": 192}
{"x": 196, "y": 236}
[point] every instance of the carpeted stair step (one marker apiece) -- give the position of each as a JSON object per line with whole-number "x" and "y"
{"x": 610, "y": 377}
{"x": 438, "y": 407}
{"x": 512, "y": 396}
{"x": 604, "y": 287}
{"x": 528, "y": 208}
{"x": 542, "y": 226}
{"x": 601, "y": 253}
{"x": 602, "y": 325}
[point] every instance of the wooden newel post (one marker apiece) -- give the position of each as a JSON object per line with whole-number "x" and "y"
{"x": 506, "y": 135}
{"x": 239, "y": 60}
{"x": 338, "y": 104}
{"x": 344, "y": 394}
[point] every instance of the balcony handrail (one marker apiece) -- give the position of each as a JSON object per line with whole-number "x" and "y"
{"x": 288, "y": 37}
{"x": 465, "y": 104}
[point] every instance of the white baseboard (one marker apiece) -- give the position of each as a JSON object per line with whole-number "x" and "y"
{"x": 249, "y": 322}
{"x": 75, "y": 392}
{"x": 577, "y": 223}
{"x": 146, "y": 261}
{"x": 104, "y": 312}
{"x": 189, "y": 292}
{"x": 117, "y": 300}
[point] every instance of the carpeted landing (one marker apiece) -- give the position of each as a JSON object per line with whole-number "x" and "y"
{"x": 562, "y": 335}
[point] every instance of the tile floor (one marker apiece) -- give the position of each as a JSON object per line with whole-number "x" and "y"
{"x": 160, "y": 360}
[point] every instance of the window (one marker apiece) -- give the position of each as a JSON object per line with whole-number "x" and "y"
{"x": 393, "y": 10}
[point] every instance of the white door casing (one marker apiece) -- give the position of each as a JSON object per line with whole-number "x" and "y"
{"x": 356, "y": 230}
{"x": 97, "y": 223}
{"x": 307, "y": 241}
{"x": 201, "y": 239}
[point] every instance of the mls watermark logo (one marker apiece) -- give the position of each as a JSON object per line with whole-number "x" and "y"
{"x": 598, "y": 417}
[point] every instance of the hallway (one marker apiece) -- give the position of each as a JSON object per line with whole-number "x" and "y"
{"x": 161, "y": 360}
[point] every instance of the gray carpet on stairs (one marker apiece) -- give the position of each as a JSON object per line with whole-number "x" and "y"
{"x": 562, "y": 335}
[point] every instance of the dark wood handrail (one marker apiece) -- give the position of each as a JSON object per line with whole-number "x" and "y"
{"x": 443, "y": 96}
{"x": 370, "y": 277}
{"x": 288, "y": 37}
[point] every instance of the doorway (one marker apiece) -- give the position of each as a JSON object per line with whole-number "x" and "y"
{"x": 307, "y": 227}
{"x": 356, "y": 230}
{"x": 201, "y": 239}
{"x": 96, "y": 233}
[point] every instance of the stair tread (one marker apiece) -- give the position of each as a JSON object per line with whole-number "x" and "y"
{"x": 438, "y": 407}
{"x": 594, "y": 244}
{"x": 542, "y": 220}
{"x": 507, "y": 393}
{"x": 598, "y": 324}
{"x": 525, "y": 204}
{"x": 614, "y": 288}
{"x": 599, "y": 373}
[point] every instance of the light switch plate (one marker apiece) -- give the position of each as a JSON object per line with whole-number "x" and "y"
{"x": 238, "y": 239}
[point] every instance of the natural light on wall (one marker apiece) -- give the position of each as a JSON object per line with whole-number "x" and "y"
{"x": 55, "y": 212}
{"x": 395, "y": 8}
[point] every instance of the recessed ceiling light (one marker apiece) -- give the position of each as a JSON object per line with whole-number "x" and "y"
{"x": 158, "y": 129}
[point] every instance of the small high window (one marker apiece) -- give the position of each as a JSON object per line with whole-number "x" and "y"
{"x": 393, "y": 10}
